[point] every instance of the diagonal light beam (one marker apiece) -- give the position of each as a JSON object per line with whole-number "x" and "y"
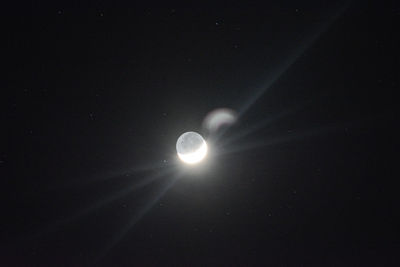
{"x": 139, "y": 215}
{"x": 292, "y": 58}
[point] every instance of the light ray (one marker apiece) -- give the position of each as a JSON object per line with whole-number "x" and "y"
{"x": 292, "y": 58}
{"x": 139, "y": 215}
{"x": 105, "y": 176}
{"x": 268, "y": 121}
{"x": 102, "y": 202}
{"x": 283, "y": 139}
{"x": 283, "y": 67}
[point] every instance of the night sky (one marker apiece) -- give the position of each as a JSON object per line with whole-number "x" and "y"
{"x": 98, "y": 93}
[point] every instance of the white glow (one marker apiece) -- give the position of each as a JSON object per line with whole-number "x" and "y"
{"x": 218, "y": 118}
{"x": 196, "y": 156}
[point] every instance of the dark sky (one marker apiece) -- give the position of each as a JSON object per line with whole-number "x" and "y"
{"x": 97, "y": 95}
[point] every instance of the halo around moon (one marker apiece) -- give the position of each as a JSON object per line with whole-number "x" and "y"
{"x": 191, "y": 148}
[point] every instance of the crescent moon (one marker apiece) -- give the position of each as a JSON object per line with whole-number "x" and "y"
{"x": 196, "y": 156}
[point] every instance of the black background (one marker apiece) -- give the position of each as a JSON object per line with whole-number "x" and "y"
{"x": 98, "y": 93}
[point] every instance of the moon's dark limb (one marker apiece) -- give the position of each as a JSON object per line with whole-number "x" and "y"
{"x": 189, "y": 142}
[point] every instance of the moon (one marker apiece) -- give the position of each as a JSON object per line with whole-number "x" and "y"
{"x": 191, "y": 147}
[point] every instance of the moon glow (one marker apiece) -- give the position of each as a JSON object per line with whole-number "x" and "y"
{"x": 191, "y": 147}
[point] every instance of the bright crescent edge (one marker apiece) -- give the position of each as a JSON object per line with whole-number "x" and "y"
{"x": 195, "y": 157}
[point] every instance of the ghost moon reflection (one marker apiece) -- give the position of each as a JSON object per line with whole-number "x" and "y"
{"x": 218, "y": 118}
{"x": 191, "y": 148}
